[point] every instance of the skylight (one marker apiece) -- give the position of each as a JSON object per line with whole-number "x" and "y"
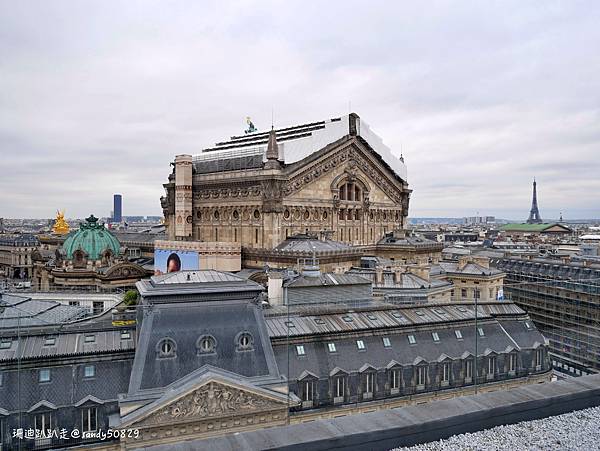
{"x": 412, "y": 340}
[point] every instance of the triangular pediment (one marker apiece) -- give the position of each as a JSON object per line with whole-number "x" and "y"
{"x": 352, "y": 160}
{"x": 212, "y": 398}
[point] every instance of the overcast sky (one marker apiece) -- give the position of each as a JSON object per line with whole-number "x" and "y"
{"x": 97, "y": 97}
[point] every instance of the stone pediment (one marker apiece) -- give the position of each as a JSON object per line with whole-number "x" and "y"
{"x": 213, "y": 399}
{"x": 346, "y": 158}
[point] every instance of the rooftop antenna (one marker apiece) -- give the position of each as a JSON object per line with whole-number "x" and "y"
{"x": 272, "y": 118}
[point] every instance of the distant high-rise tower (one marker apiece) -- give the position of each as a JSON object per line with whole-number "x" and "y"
{"x": 534, "y": 214}
{"x": 117, "y": 208}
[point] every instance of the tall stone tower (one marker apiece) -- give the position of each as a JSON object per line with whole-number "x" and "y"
{"x": 183, "y": 197}
{"x": 534, "y": 214}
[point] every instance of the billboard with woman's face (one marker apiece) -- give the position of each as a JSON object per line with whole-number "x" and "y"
{"x": 169, "y": 260}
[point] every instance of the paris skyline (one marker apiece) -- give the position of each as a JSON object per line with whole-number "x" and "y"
{"x": 480, "y": 99}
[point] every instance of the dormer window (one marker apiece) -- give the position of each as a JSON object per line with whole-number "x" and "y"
{"x": 166, "y": 348}
{"x": 206, "y": 344}
{"x": 245, "y": 342}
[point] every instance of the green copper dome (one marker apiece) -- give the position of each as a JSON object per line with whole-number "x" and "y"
{"x": 93, "y": 238}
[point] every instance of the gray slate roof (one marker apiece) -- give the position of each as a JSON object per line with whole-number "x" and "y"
{"x": 67, "y": 344}
{"x": 21, "y": 311}
{"x": 468, "y": 269}
{"x": 319, "y": 361}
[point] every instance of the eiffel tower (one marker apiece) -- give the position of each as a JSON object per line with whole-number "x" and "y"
{"x": 534, "y": 214}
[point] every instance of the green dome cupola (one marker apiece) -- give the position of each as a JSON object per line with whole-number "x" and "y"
{"x": 92, "y": 238}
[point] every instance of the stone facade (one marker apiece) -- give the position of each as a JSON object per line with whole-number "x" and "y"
{"x": 344, "y": 188}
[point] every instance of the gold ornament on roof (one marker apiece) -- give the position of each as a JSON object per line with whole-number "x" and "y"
{"x": 61, "y": 227}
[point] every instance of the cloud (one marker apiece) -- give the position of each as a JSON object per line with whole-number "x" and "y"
{"x": 97, "y": 97}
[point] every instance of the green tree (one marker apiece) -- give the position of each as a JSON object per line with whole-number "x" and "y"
{"x": 131, "y": 297}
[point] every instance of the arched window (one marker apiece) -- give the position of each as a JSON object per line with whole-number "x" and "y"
{"x": 166, "y": 348}
{"x": 244, "y": 341}
{"x": 206, "y": 344}
{"x": 351, "y": 191}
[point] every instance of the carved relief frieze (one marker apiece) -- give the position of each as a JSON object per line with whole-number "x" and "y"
{"x": 228, "y": 192}
{"x": 209, "y": 401}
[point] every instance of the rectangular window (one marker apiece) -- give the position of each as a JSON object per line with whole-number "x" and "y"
{"x": 412, "y": 340}
{"x": 5, "y": 344}
{"x": 395, "y": 379}
{"x": 340, "y": 386}
{"x": 308, "y": 391}
{"x": 97, "y": 307}
{"x": 491, "y": 366}
{"x": 435, "y": 336}
{"x": 386, "y": 342}
{"x": 42, "y": 421}
{"x": 369, "y": 382}
{"x": 463, "y": 293}
{"x": 331, "y": 347}
{"x": 480, "y": 331}
{"x": 90, "y": 339}
{"x": 446, "y": 372}
{"x": 512, "y": 362}
{"x": 89, "y": 417}
{"x": 125, "y": 335}
{"x": 49, "y": 341}
{"x": 89, "y": 371}
{"x": 256, "y": 236}
{"x": 300, "y": 350}
{"x": 458, "y": 334}
{"x": 1, "y": 380}
{"x": 539, "y": 357}
{"x": 44, "y": 375}
{"x": 360, "y": 345}
{"x": 469, "y": 369}
{"x": 421, "y": 375}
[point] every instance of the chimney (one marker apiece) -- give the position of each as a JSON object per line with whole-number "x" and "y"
{"x": 421, "y": 271}
{"x": 463, "y": 260}
{"x": 275, "y": 288}
{"x": 379, "y": 275}
{"x": 398, "y": 270}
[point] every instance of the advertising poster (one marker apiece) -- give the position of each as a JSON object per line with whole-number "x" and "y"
{"x": 170, "y": 260}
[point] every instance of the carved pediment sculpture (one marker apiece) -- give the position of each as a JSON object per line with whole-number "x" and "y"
{"x": 212, "y": 400}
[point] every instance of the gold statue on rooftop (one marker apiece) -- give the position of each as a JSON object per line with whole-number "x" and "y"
{"x": 61, "y": 227}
